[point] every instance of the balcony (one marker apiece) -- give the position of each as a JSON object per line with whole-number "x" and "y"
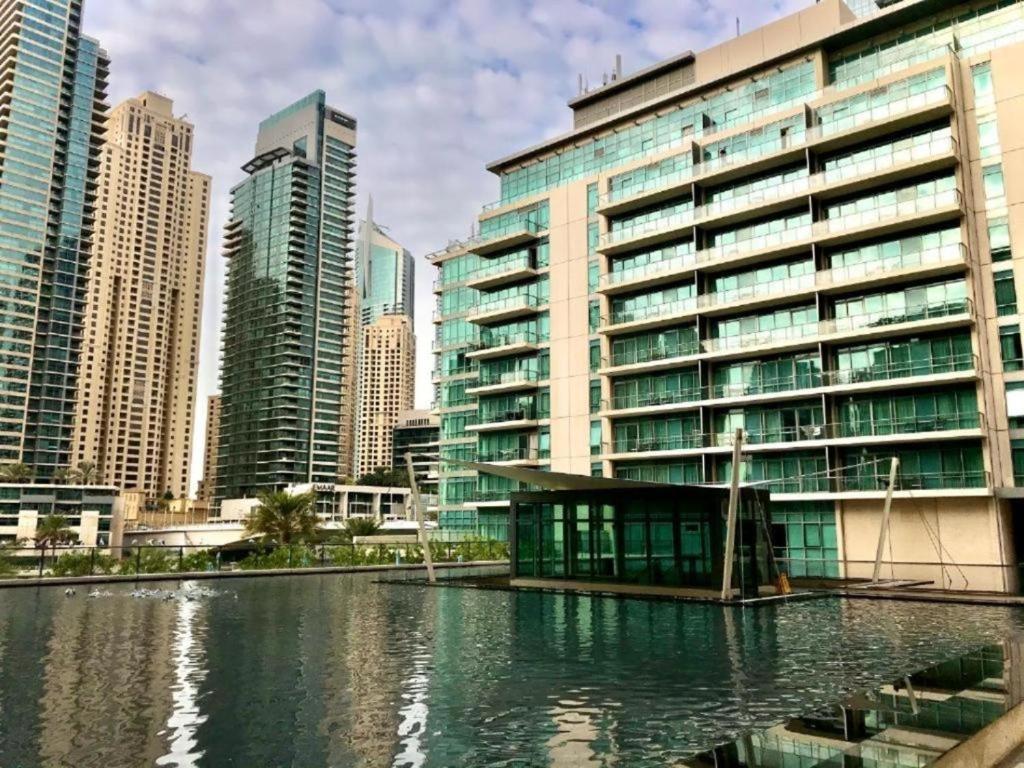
{"x": 502, "y": 271}
{"x": 651, "y": 356}
{"x": 788, "y": 335}
{"x": 493, "y": 421}
{"x": 899, "y": 428}
{"x": 913, "y": 211}
{"x": 504, "y": 381}
{"x": 647, "y": 233}
{"x": 491, "y": 497}
{"x": 667, "y": 402}
{"x": 492, "y": 345}
{"x": 692, "y": 441}
{"x": 902, "y": 108}
{"x": 644, "y": 275}
{"x": 651, "y": 316}
{"x": 651, "y": 188}
{"x": 956, "y": 367}
{"x": 505, "y": 308}
{"x": 956, "y": 310}
{"x": 511, "y": 457}
{"x": 519, "y": 231}
{"x": 915, "y": 481}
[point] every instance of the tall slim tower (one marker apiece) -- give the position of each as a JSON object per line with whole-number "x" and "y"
{"x": 387, "y": 347}
{"x": 52, "y": 90}
{"x": 140, "y": 350}
{"x": 209, "y": 481}
{"x": 288, "y": 245}
{"x": 386, "y": 383}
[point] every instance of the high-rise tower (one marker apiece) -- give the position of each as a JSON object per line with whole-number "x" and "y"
{"x": 283, "y": 375}
{"x": 140, "y": 349}
{"x": 52, "y": 111}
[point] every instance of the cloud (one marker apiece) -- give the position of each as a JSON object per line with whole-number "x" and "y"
{"x": 439, "y": 89}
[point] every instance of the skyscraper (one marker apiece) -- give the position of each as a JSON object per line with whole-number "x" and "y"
{"x": 288, "y": 245}
{"x": 386, "y": 387}
{"x": 385, "y": 272}
{"x": 209, "y": 481}
{"x": 809, "y": 232}
{"x": 140, "y": 350}
{"x": 52, "y": 110}
{"x": 387, "y": 346}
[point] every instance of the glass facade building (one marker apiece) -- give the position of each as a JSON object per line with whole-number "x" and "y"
{"x": 817, "y": 247}
{"x": 52, "y": 112}
{"x": 384, "y": 273}
{"x": 285, "y": 333}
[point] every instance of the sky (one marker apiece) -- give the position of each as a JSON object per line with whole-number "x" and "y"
{"x": 439, "y": 89}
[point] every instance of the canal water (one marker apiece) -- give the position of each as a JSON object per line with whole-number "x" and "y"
{"x": 337, "y": 670}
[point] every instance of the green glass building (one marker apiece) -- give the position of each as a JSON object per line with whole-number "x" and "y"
{"x": 52, "y": 112}
{"x": 385, "y": 273}
{"x": 807, "y": 232}
{"x": 285, "y": 335}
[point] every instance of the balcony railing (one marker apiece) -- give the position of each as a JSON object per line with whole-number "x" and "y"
{"x": 651, "y": 311}
{"x": 651, "y": 183}
{"x": 914, "y": 313}
{"x": 520, "y": 300}
{"x": 882, "y": 427}
{"x": 651, "y": 269}
{"x": 495, "y": 378}
{"x": 760, "y": 338}
{"x": 902, "y": 369}
{"x": 492, "y": 340}
{"x": 756, "y": 243}
{"x": 512, "y": 414}
{"x": 888, "y": 211}
{"x": 644, "y": 444}
{"x": 916, "y": 481}
{"x": 664, "y": 223}
{"x": 785, "y": 286}
{"x": 651, "y": 399}
{"x": 950, "y": 253}
{"x": 492, "y": 267}
{"x": 901, "y": 103}
{"x": 782, "y": 434}
{"x": 767, "y": 386}
{"x": 651, "y": 354}
{"x": 509, "y": 454}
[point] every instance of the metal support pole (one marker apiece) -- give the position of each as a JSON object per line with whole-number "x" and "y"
{"x": 418, "y": 504}
{"x": 730, "y": 522}
{"x": 886, "y": 509}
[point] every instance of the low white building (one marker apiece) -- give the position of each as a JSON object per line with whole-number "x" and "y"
{"x": 337, "y": 503}
{"x": 92, "y": 512}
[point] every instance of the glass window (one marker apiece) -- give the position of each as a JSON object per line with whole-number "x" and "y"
{"x": 992, "y": 181}
{"x": 595, "y": 438}
{"x": 595, "y": 396}
{"x": 595, "y": 355}
{"x": 1010, "y": 348}
{"x": 999, "y": 239}
{"x": 1006, "y": 293}
{"x": 981, "y": 74}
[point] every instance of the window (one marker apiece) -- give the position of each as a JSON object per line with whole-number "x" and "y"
{"x": 1006, "y": 293}
{"x": 594, "y": 316}
{"x": 593, "y": 276}
{"x": 596, "y": 469}
{"x": 988, "y": 138}
{"x": 981, "y": 74}
{"x": 595, "y": 438}
{"x": 999, "y": 239}
{"x": 1010, "y": 348}
{"x": 595, "y": 396}
{"x": 992, "y": 181}
{"x": 595, "y": 355}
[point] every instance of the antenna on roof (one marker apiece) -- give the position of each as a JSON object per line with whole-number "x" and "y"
{"x": 579, "y": 84}
{"x": 604, "y": 78}
{"x": 618, "y": 65}
{"x": 737, "y": 26}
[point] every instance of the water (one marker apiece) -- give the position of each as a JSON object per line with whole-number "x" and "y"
{"x": 337, "y": 670}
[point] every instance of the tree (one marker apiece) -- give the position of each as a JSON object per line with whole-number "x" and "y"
{"x": 64, "y": 475}
{"x": 53, "y": 530}
{"x": 361, "y": 526}
{"x": 16, "y": 473}
{"x": 284, "y": 518}
{"x": 86, "y": 473}
{"x": 395, "y": 478}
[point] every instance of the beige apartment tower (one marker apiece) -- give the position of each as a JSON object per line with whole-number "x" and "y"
{"x": 209, "y": 481}
{"x": 386, "y": 381}
{"x": 140, "y": 347}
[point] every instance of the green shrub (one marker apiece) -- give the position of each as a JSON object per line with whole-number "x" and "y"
{"x": 204, "y": 560}
{"x": 281, "y": 557}
{"x": 83, "y": 564}
{"x": 150, "y": 560}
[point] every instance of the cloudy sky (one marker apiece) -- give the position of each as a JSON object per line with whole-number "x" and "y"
{"x": 439, "y": 87}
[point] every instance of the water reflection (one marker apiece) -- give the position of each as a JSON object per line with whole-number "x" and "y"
{"x": 189, "y": 673}
{"x": 341, "y": 671}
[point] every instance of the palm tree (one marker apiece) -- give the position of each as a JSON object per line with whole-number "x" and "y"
{"x": 53, "y": 530}
{"x": 86, "y": 472}
{"x": 16, "y": 473}
{"x": 283, "y": 518}
{"x": 361, "y": 526}
{"x": 64, "y": 475}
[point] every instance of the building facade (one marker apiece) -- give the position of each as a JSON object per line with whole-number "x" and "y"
{"x": 809, "y": 232}
{"x": 92, "y": 511}
{"x": 387, "y": 379}
{"x": 140, "y": 346}
{"x": 288, "y": 245}
{"x": 52, "y": 110}
{"x": 385, "y": 272}
{"x": 209, "y": 481}
{"x": 418, "y": 433}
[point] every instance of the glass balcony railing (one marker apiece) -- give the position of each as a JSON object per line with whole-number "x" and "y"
{"x": 786, "y": 286}
{"x": 489, "y": 494}
{"x": 920, "y": 148}
{"x": 651, "y": 354}
{"x": 756, "y": 243}
{"x": 864, "y": 112}
{"x": 512, "y": 414}
{"x": 946, "y": 254}
{"x": 651, "y": 269}
{"x": 797, "y": 136}
{"x": 900, "y": 209}
{"x": 880, "y": 427}
{"x": 514, "y": 226}
{"x": 513, "y": 263}
{"x": 898, "y": 369}
{"x": 509, "y": 454}
{"x": 916, "y": 481}
{"x": 757, "y": 197}
{"x": 759, "y": 338}
{"x": 495, "y": 378}
{"x": 767, "y": 386}
{"x": 676, "y": 172}
{"x": 781, "y": 434}
{"x": 910, "y": 314}
{"x": 643, "y": 444}
{"x": 492, "y": 339}
{"x": 653, "y": 311}
{"x": 665, "y": 223}
{"x": 519, "y": 301}
{"x": 650, "y": 399}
